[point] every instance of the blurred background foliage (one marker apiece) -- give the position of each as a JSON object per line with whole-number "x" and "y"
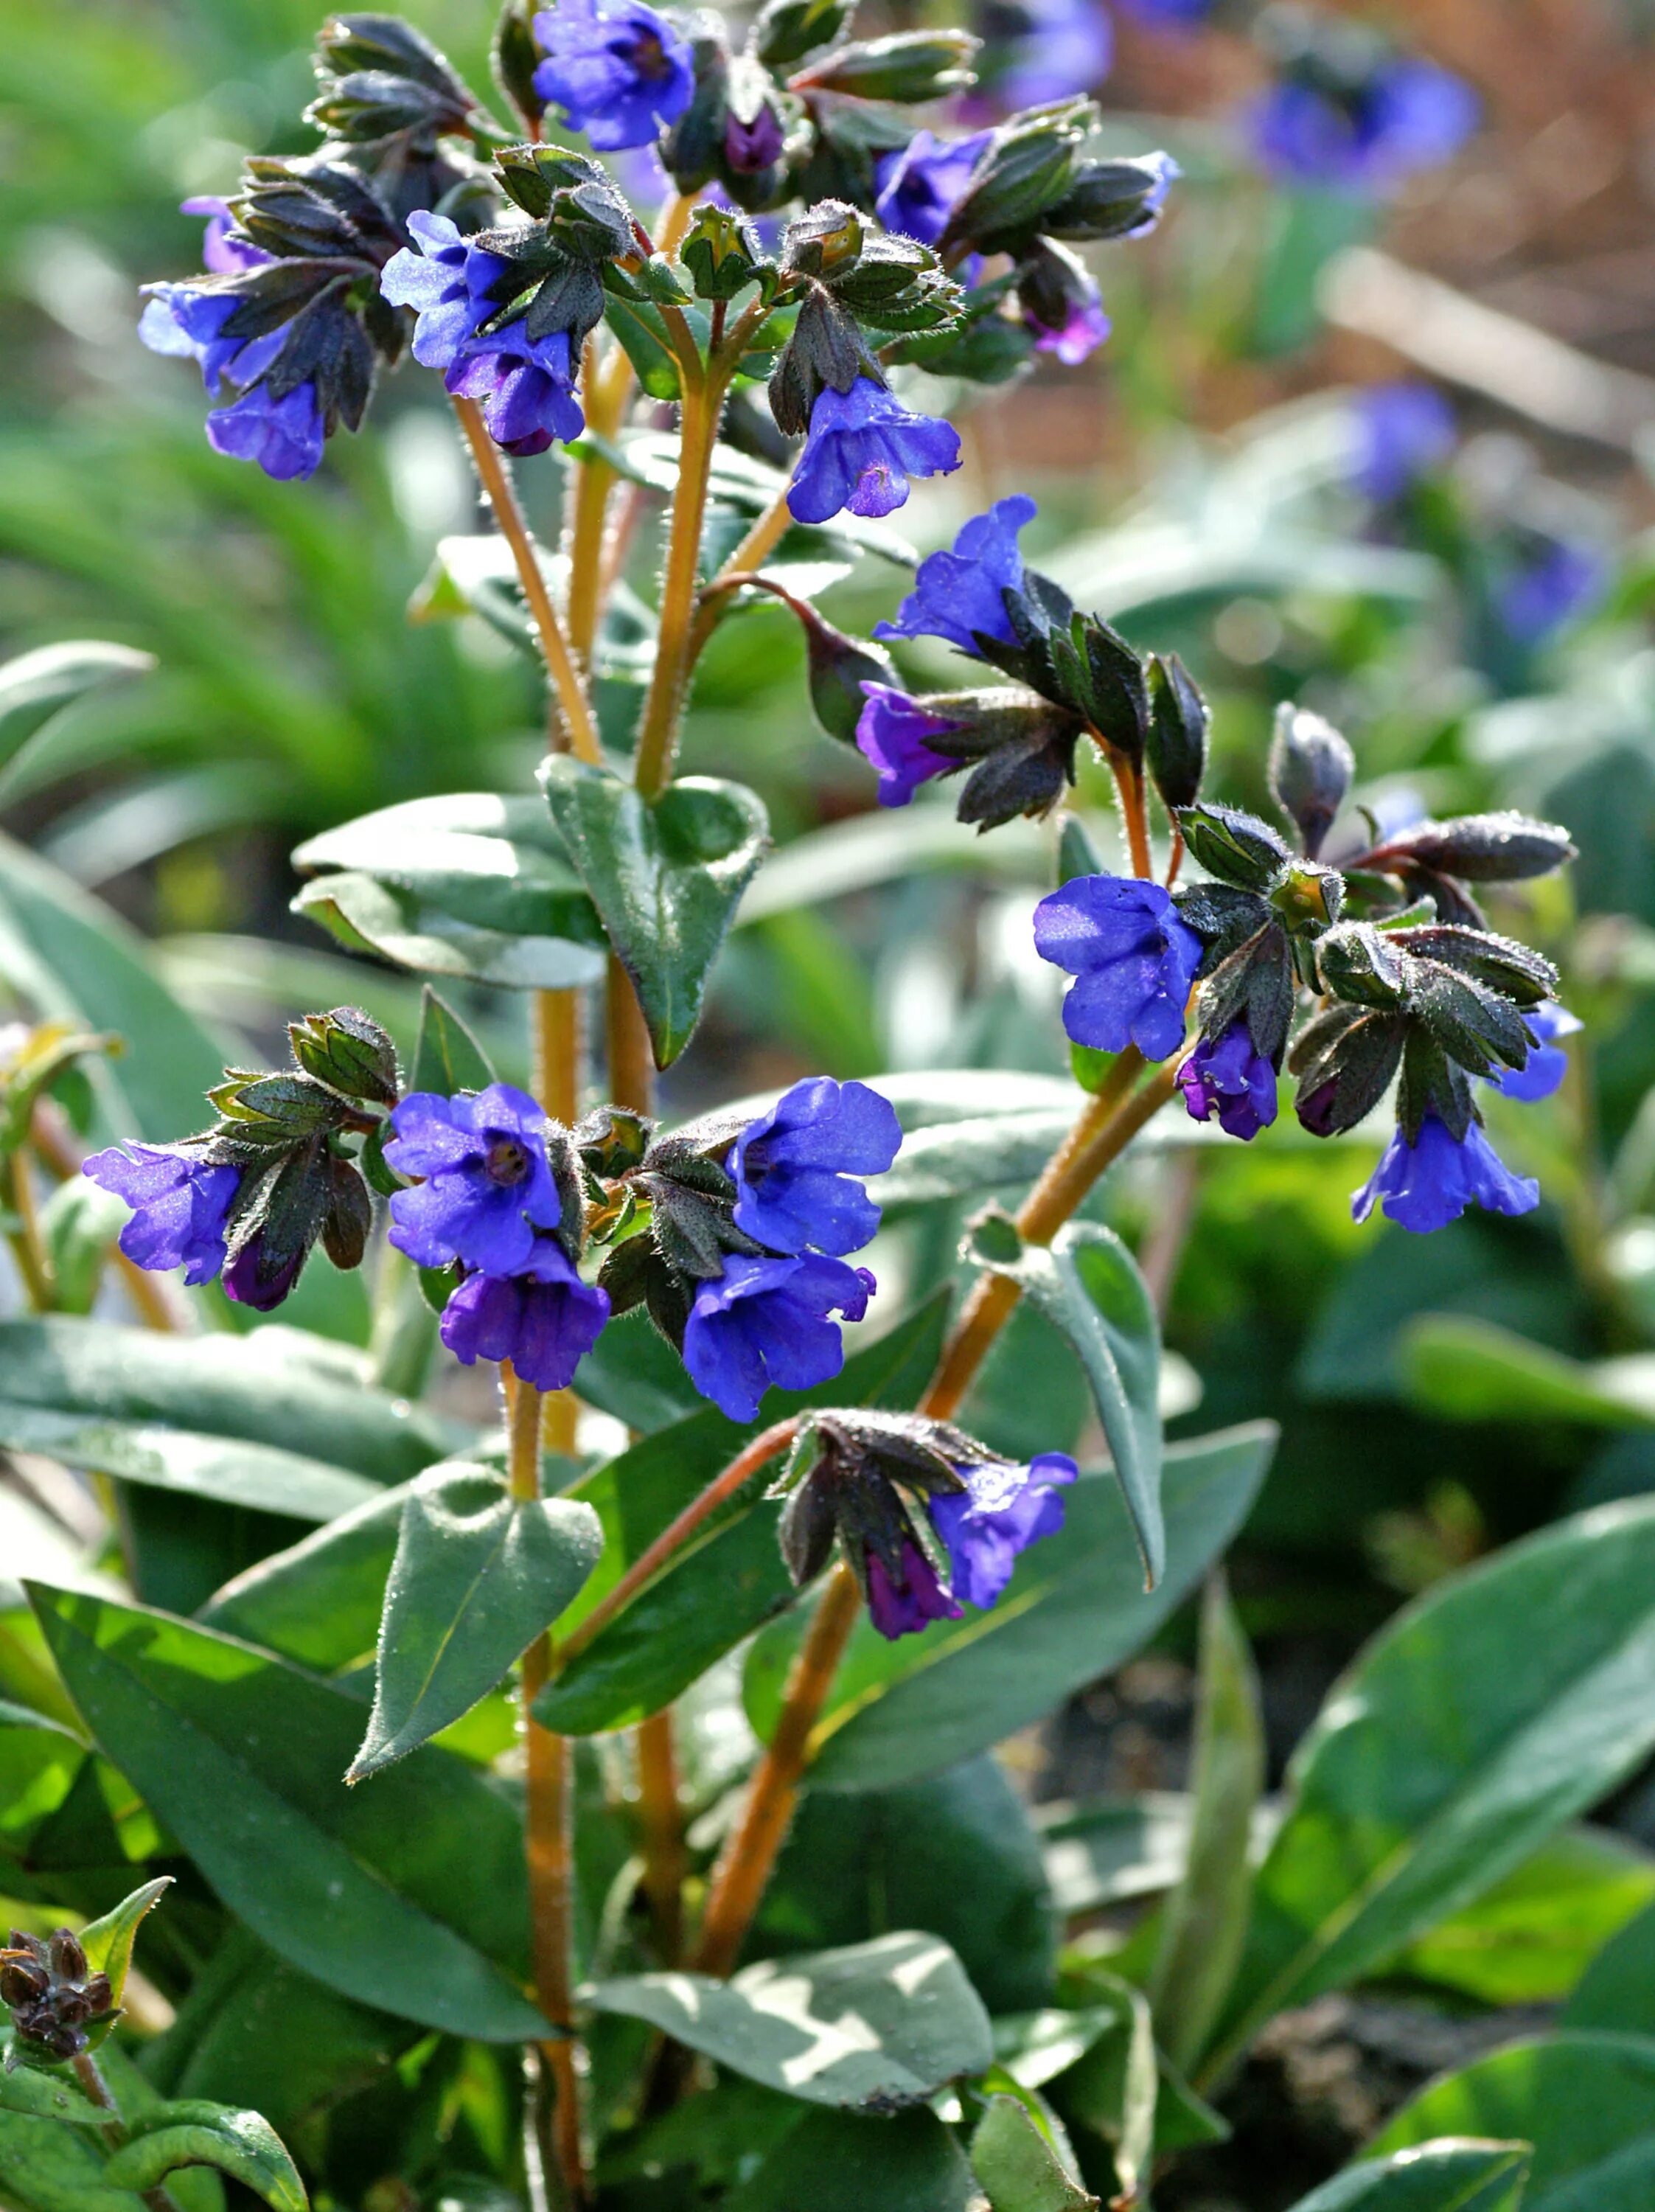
{"x": 1198, "y": 482}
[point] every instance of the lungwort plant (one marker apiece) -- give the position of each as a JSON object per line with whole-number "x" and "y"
{"x": 497, "y": 1880}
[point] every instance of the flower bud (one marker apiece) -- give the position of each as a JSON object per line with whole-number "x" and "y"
{"x": 348, "y": 1052}
{"x": 1176, "y": 748}
{"x": 787, "y": 30}
{"x": 1112, "y": 199}
{"x": 1311, "y": 770}
{"x": 1234, "y": 846}
{"x": 1482, "y": 849}
{"x": 514, "y": 58}
{"x": 1360, "y": 964}
{"x": 908, "y": 66}
{"x": 1027, "y": 168}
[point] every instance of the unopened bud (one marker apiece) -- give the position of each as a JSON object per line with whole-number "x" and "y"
{"x": 1311, "y": 770}
{"x": 1177, "y": 746}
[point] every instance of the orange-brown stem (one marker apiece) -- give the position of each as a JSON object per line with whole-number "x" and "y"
{"x": 661, "y": 1834}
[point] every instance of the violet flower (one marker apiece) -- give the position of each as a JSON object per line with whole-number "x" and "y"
{"x": 1227, "y": 1075}
{"x": 619, "y": 71}
{"x": 1134, "y": 958}
{"x": 797, "y": 1167}
{"x": 862, "y": 447}
{"x": 765, "y": 1322}
{"x": 1002, "y": 1510}
{"x": 1426, "y": 1185}
{"x": 961, "y": 592}
{"x": 1403, "y": 431}
{"x": 179, "y": 1201}
{"x": 891, "y": 733}
{"x": 542, "y": 1318}
{"x": 918, "y": 184}
{"x": 1543, "y": 1070}
{"x": 901, "y": 1608}
{"x": 1408, "y": 115}
{"x": 1083, "y": 331}
{"x": 487, "y": 1183}
{"x": 284, "y": 435}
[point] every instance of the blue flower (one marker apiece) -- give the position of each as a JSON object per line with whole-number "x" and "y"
{"x": 1226, "y": 1074}
{"x": 891, "y": 733}
{"x": 920, "y": 182}
{"x": 250, "y": 1282}
{"x": 619, "y": 71}
{"x": 180, "y": 1204}
{"x": 1054, "y": 48}
{"x": 862, "y": 448}
{"x": 1133, "y": 956}
{"x": 1547, "y": 1064}
{"x": 447, "y": 283}
{"x": 1426, "y": 1185}
{"x": 796, "y": 1167}
{"x": 526, "y": 387}
{"x": 1403, "y": 430}
{"x": 222, "y": 250}
{"x": 1002, "y": 1510}
{"x": 957, "y": 593}
{"x": 901, "y": 1608}
{"x": 1554, "y": 583}
{"x": 187, "y": 322}
{"x": 487, "y": 1183}
{"x": 1408, "y": 115}
{"x": 765, "y": 1321}
{"x": 1082, "y": 331}
{"x": 284, "y": 435}
{"x": 542, "y": 1318}
{"x": 1175, "y": 12}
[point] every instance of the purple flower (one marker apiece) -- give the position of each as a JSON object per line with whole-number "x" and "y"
{"x": 285, "y": 436}
{"x": 179, "y": 1201}
{"x": 862, "y": 448}
{"x": 765, "y": 1321}
{"x": 891, "y": 733}
{"x": 542, "y": 1318}
{"x": 1081, "y": 333}
{"x": 250, "y": 1282}
{"x": 447, "y": 283}
{"x": 526, "y": 387}
{"x": 1410, "y": 115}
{"x": 1001, "y": 1511}
{"x": 1176, "y": 12}
{"x": 619, "y": 71}
{"x": 920, "y": 182}
{"x": 796, "y": 1167}
{"x": 963, "y": 592}
{"x": 187, "y": 323}
{"x": 1426, "y": 1185}
{"x": 1134, "y": 957}
{"x": 221, "y": 251}
{"x": 1227, "y": 1074}
{"x": 1555, "y": 583}
{"x": 1401, "y": 431}
{"x": 487, "y": 1184}
{"x": 1547, "y": 1064}
{"x": 752, "y": 143}
{"x": 900, "y": 1608}
{"x": 1055, "y": 48}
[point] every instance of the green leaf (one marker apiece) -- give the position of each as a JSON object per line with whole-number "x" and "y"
{"x": 1112, "y": 2089}
{"x": 73, "y": 959}
{"x": 1205, "y": 1923}
{"x": 1531, "y": 1938}
{"x": 196, "y": 2133}
{"x": 78, "y": 1224}
{"x": 955, "y": 1855}
{"x": 1473, "y": 1370}
{"x": 107, "y": 1942}
{"x": 837, "y": 2163}
{"x": 478, "y": 1575}
{"x": 882, "y": 2024}
{"x": 1585, "y": 2102}
{"x": 1076, "y": 1608}
{"x": 40, "y": 1759}
{"x": 275, "y": 1390}
{"x": 408, "y": 1897}
{"x": 665, "y": 878}
{"x": 1457, "y": 1741}
{"x": 643, "y": 337}
{"x": 36, "y": 687}
{"x": 1102, "y": 1850}
{"x": 1617, "y": 1990}
{"x": 47, "y": 2093}
{"x": 47, "y": 2168}
{"x": 1018, "y": 2167}
{"x": 448, "y": 1058}
{"x": 733, "y": 1579}
{"x": 466, "y": 884}
{"x": 1088, "y": 1284}
{"x": 319, "y": 1601}
{"x": 1447, "y": 2176}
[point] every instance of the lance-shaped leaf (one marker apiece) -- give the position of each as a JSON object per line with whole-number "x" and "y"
{"x": 193, "y": 2133}
{"x": 44, "y": 2093}
{"x": 478, "y": 1575}
{"x": 1454, "y": 2174}
{"x": 1088, "y": 1283}
{"x": 1617, "y": 1990}
{"x": 107, "y": 1942}
{"x": 37, "y": 687}
{"x": 466, "y": 884}
{"x": 1206, "y": 1919}
{"x": 409, "y": 1896}
{"x": 848, "y": 2162}
{"x": 665, "y": 878}
{"x": 1499, "y": 1705}
{"x": 448, "y": 1058}
{"x": 877, "y": 2025}
{"x": 1585, "y": 2102}
{"x": 1112, "y": 2089}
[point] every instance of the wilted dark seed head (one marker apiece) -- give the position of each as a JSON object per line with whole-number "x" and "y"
{"x": 505, "y": 1162}
{"x": 72, "y": 2007}
{"x": 68, "y": 1959}
{"x": 22, "y": 1983}
{"x": 66, "y": 2042}
{"x": 100, "y": 1995}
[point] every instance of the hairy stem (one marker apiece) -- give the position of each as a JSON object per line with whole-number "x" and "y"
{"x": 1134, "y": 810}
{"x": 576, "y": 730}
{"x": 703, "y": 402}
{"x": 632, "y": 1062}
{"x": 607, "y": 390}
{"x": 548, "y": 1830}
{"x": 754, "y": 550}
{"x": 96, "y": 2091}
{"x": 1109, "y": 1123}
{"x": 661, "y": 1834}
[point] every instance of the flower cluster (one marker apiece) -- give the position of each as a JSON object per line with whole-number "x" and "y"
{"x": 928, "y": 1519}
{"x": 55, "y": 1999}
{"x": 1347, "y": 110}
